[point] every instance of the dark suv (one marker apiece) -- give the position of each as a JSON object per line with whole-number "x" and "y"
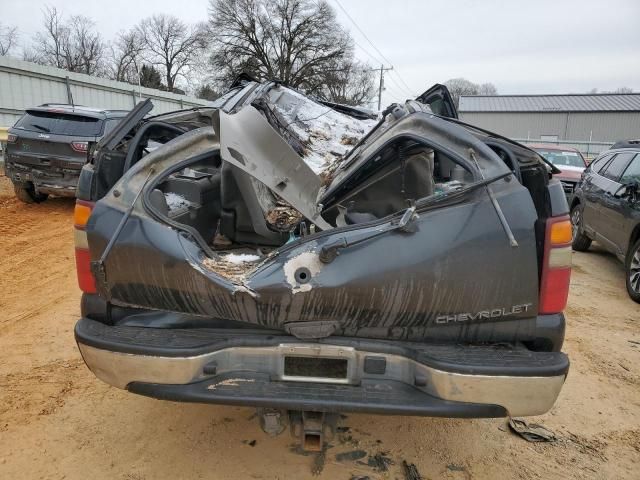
{"x": 275, "y": 252}
{"x": 47, "y": 147}
{"x": 606, "y": 208}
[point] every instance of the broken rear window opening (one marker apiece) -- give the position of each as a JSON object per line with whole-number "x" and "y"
{"x": 405, "y": 171}
{"x": 269, "y": 163}
{"x": 241, "y": 220}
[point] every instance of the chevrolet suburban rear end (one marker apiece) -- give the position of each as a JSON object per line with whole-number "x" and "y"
{"x": 279, "y": 253}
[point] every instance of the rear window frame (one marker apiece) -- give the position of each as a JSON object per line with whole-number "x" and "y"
{"x": 599, "y": 163}
{"x": 47, "y": 115}
{"x": 636, "y": 158}
{"x": 615, "y": 178}
{"x": 561, "y": 152}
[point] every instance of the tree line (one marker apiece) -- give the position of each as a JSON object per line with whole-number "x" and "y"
{"x": 298, "y": 42}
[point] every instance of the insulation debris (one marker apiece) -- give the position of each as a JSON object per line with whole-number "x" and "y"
{"x": 176, "y": 201}
{"x": 240, "y": 258}
{"x": 349, "y": 140}
{"x": 283, "y": 217}
{"x": 233, "y": 266}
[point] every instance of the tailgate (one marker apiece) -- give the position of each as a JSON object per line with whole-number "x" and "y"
{"x": 45, "y": 150}
{"x": 455, "y": 276}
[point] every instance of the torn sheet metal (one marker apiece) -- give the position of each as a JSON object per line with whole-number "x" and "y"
{"x": 248, "y": 142}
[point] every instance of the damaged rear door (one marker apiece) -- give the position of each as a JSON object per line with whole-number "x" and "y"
{"x": 106, "y": 164}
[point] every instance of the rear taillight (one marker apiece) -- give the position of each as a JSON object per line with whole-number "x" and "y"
{"x": 80, "y": 147}
{"x": 81, "y": 215}
{"x": 12, "y": 138}
{"x": 556, "y": 267}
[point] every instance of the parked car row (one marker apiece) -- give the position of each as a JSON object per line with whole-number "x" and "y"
{"x": 605, "y": 201}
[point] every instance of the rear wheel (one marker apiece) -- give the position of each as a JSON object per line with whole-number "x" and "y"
{"x": 27, "y": 193}
{"x": 580, "y": 242}
{"x": 632, "y": 269}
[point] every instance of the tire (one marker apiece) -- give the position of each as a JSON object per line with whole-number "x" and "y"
{"x": 28, "y": 194}
{"x": 632, "y": 272}
{"x": 581, "y": 242}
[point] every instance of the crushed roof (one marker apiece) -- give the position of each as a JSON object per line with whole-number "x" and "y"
{"x": 599, "y": 102}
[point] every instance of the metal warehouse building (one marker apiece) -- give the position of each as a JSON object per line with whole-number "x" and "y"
{"x": 589, "y": 122}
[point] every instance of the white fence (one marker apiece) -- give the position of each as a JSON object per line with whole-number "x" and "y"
{"x": 25, "y": 84}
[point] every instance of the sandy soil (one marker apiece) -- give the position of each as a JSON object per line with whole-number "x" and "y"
{"x": 58, "y": 421}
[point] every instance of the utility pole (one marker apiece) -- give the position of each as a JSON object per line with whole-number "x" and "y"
{"x": 381, "y": 87}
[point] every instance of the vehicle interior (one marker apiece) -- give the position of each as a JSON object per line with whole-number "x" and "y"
{"x": 228, "y": 208}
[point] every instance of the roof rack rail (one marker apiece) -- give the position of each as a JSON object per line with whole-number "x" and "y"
{"x": 633, "y": 143}
{"x": 56, "y": 104}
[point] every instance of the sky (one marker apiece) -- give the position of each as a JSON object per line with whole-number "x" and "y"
{"x": 521, "y": 46}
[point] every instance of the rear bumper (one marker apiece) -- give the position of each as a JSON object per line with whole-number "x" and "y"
{"x": 247, "y": 367}
{"x": 53, "y": 180}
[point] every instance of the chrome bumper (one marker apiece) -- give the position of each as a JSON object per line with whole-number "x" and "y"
{"x": 518, "y": 395}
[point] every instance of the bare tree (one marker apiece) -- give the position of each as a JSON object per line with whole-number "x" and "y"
{"x": 47, "y": 45}
{"x": 8, "y": 39}
{"x": 461, "y": 86}
{"x": 294, "y": 41}
{"x": 487, "y": 89}
{"x": 125, "y": 55}
{"x": 73, "y": 45}
{"x": 85, "y": 49}
{"x": 349, "y": 83}
{"x": 172, "y": 45}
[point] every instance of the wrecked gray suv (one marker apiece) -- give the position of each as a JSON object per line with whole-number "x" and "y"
{"x": 308, "y": 259}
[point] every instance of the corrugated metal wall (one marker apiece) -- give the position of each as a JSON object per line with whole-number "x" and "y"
{"x": 25, "y": 84}
{"x": 573, "y": 126}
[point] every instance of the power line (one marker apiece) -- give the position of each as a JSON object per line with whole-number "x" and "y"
{"x": 401, "y": 89}
{"x": 371, "y": 43}
{"x": 405, "y": 84}
{"x": 393, "y": 92}
{"x": 393, "y": 96}
{"x": 377, "y": 60}
{"x": 362, "y": 32}
{"x": 373, "y": 57}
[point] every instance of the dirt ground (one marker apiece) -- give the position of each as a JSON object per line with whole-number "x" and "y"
{"x": 58, "y": 421}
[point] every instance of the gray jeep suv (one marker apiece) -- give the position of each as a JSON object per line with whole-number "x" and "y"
{"x": 47, "y": 148}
